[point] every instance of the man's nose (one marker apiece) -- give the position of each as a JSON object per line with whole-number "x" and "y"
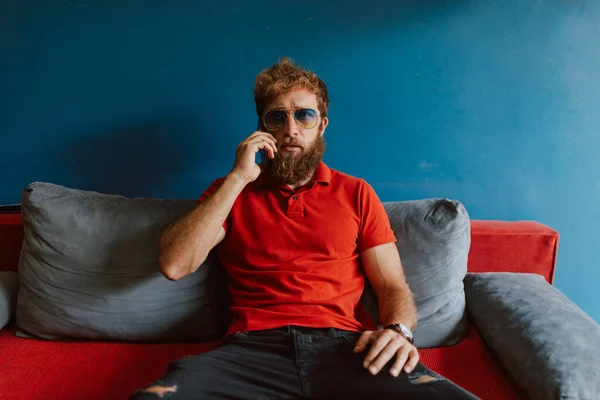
{"x": 290, "y": 128}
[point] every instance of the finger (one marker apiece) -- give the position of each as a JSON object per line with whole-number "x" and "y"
{"x": 268, "y": 147}
{"x": 263, "y": 143}
{"x": 268, "y": 135}
{"x": 385, "y": 355}
{"x": 268, "y": 140}
{"x": 401, "y": 357}
{"x": 260, "y": 134}
{"x": 379, "y": 343}
{"x": 363, "y": 341}
{"x": 251, "y": 137}
{"x": 260, "y": 139}
{"x": 413, "y": 360}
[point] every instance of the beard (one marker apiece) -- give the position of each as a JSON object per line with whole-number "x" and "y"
{"x": 288, "y": 169}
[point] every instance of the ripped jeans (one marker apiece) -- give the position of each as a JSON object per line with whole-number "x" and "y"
{"x": 293, "y": 363}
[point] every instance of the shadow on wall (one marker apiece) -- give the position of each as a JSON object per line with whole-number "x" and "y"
{"x": 137, "y": 159}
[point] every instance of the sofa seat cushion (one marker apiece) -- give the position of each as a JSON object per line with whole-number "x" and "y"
{"x": 83, "y": 370}
{"x": 39, "y": 369}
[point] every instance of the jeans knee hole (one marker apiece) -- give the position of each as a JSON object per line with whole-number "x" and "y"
{"x": 420, "y": 378}
{"x": 161, "y": 390}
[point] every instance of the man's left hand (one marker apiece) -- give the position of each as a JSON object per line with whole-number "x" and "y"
{"x": 386, "y": 344}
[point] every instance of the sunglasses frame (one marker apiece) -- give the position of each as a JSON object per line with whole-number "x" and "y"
{"x": 292, "y": 111}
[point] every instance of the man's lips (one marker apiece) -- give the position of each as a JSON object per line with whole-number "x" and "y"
{"x": 290, "y": 147}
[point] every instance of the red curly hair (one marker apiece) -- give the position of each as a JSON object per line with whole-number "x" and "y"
{"x": 283, "y": 77}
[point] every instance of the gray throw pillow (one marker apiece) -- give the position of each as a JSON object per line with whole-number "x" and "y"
{"x": 433, "y": 239}
{"x": 550, "y": 347}
{"x": 89, "y": 270}
{"x": 9, "y": 288}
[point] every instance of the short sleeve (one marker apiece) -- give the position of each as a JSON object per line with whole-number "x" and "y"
{"x": 210, "y": 190}
{"x": 375, "y": 226}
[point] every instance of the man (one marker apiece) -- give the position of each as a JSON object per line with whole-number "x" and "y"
{"x": 297, "y": 240}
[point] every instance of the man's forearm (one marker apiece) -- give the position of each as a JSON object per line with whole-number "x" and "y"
{"x": 185, "y": 244}
{"x": 397, "y": 305}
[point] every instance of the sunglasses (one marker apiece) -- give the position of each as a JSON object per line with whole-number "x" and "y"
{"x": 274, "y": 120}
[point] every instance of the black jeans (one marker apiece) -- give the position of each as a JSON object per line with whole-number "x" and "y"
{"x": 294, "y": 363}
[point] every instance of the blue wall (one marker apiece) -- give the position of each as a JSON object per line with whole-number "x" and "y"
{"x": 496, "y": 104}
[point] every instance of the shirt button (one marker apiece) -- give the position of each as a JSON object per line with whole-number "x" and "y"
{"x": 295, "y": 197}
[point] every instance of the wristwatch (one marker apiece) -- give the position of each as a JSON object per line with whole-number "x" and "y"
{"x": 403, "y": 330}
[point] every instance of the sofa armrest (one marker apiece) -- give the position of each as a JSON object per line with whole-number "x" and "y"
{"x": 523, "y": 246}
{"x": 545, "y": 341}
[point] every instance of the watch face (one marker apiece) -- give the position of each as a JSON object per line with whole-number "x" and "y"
{"x": 406, "y": 331}
{"x": 403, "y": 330}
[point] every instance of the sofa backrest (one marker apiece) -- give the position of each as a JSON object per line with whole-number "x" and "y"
{"x": 496, "y": 246}
{"x": 11, "y": 238}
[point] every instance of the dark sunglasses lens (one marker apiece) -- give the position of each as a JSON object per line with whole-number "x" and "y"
{"x": 274, "y": 120}
{"x": 306, "y": 117}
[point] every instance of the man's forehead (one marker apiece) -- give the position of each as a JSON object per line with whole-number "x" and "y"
{"x": 300, "y": 98}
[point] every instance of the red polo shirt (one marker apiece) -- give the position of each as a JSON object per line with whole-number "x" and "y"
{"x": 293, "y": 256}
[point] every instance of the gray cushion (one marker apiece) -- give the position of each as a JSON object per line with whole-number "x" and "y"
{"x": 550, "y": 346}
{"x": 9, "y": 288}
{"x": 89, "y": 270}
{"x": 433, "y": 238}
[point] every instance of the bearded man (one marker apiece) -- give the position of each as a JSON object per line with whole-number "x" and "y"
{"x": 297, "y": 240}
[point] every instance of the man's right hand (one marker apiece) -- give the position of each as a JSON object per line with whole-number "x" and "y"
{"x": 245, "y": 157}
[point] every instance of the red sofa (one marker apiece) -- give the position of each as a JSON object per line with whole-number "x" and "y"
{"x": 39, "y": 369}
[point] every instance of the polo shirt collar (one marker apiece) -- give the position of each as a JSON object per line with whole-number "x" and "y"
{"x": 322, "y": 175}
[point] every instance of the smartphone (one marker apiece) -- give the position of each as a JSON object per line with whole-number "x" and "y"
{"x": 262, "y": 152}
{"x": 263, "y": 156}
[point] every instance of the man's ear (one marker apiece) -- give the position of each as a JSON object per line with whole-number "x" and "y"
{"x": 324, "y": 124}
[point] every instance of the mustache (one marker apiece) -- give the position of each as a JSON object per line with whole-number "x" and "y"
{"x": 291, "y": 142}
